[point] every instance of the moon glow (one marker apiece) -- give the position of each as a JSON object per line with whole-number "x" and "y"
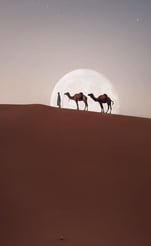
{"x": 86, "y": 81}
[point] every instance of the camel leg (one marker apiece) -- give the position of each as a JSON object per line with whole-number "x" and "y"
{"x": 102, "y": 109}
{"x": 108, "y": 108}
{"x": 77, "y": 105}
{"x": 112, "y": 102}
{"x": 85, "y": 103}
{"x": 86, "y": 106}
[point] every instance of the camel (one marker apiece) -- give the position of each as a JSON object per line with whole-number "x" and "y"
{"x": 78, "y": 97}
{"x": 103, "y": 99}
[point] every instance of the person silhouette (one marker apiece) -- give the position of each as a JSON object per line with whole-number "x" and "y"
{"x": 59, "y": 100}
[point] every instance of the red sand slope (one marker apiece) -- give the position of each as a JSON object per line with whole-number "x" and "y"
{"x": 74, "y": 178}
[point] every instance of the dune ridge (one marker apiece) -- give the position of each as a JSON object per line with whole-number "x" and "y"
{"x": 74, "y": 178}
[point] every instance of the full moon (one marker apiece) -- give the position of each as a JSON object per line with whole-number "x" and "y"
{"x": 86, "y": 81}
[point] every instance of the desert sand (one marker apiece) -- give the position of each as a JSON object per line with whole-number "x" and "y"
{"x": 74, "y": 178}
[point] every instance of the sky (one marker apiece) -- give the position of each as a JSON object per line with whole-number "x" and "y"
{"x": 42, "y": 40}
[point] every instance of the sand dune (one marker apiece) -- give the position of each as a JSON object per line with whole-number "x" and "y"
{"x": 74, "y": 178}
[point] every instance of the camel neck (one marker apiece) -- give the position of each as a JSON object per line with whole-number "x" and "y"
{"x": 94, "y": 98}
{"x": 70, "y": 96}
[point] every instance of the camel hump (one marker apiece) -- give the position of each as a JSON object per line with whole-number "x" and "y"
{"x": 81, "y": 95}
{"x": 105, "y": 95}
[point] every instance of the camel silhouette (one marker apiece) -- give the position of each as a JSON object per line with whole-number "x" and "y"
{"x": 103, "y": 99}
{"x": 78, "y": 97}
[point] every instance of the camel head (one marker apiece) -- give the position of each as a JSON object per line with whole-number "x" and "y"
{"x": 67, "y": 93}
{"x": 93, "y": 97}
{"x": 90, "y": 95}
